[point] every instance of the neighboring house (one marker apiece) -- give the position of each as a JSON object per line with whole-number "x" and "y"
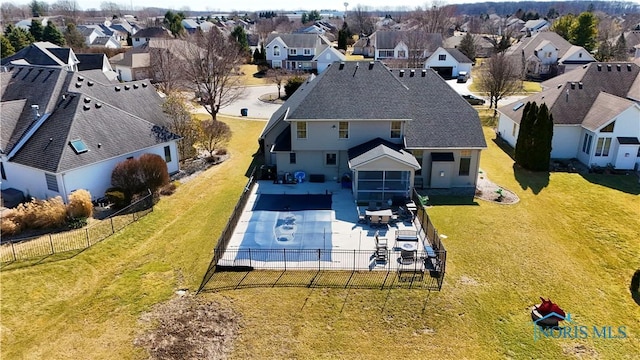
{"x": 631, "y": 39}
{"x": 134, "y": 64}
{"x": 96, "y": 37}
{"x": 596, "y": 114}
{"x": 416, "y": 130}
{"x": 484, "y": 47}
{"x": 365, "y": 46}
{"x": 448, "y": 63}
{"x": 547, "y": 54}
{"x": 535, "y": 26}
{"x": 71, "y": 130}
{"x": 143, "y": 36}
{"x": 402, "y": 45}
{"x": 192, "y": 25}
{"x": 44, "y": 54}
{"x": 306, "y": 52}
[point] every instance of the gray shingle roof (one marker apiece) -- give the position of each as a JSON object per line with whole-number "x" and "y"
{"x": 120, "y": 121}
{"x": 38, "y": 53}
{"x": 530, "y": 44}
{"x": 153, "y": 32}
{"x": 438, "y": 116}
{"x": 459, "y": 56}
{"x": 571, "y": 105}
{"x": 296, "y": 40}
{"x": 604, "y": 108}
{"x": 388, "y": 39}
{"x": 91, "y": 61}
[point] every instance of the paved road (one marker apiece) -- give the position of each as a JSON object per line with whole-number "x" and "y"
{"x": 250, "y": 100}
{"x": 463, "y": 89}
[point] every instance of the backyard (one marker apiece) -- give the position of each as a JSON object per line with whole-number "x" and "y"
{"x": 572, "y": 238}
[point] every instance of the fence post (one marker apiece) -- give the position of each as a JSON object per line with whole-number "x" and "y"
{"x": 87, "y": 233}
{"x": 249, "y": 257}
{"x": 112, "y": 229}
{"x": 284, "y": 253}
{"x": 319, "y": 257}
{"x": 51, "y": 243}
{"x": 354, "y": 259}
{"x": 13, "y": 250}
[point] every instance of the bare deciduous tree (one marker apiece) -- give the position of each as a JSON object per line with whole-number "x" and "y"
{"x": 264, "y": 27}
{"x": 210, "y": 65}
{"x": 69, "y": 8}
{"x": 361, "y": 20}
{"x": 437, "y": 18}
{"x": 166, "y": 57}
{"x": 278, "y": 76}
{"x": 214, "y": 135}
{"x": 181, "y": 124}
{"x": 499, "y": 78}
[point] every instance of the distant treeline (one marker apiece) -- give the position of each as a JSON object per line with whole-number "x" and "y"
{"x": 562, "y": 7}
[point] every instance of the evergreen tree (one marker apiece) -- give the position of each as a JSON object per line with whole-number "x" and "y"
{"x": 174, "y": 22}
{"x": 73, "y": 37}
{"x": 52, "y": 34}
{"x": 6, "y": 48}
{"x": 533, "y": 147}
{"x": 239, "y": 35}
{"x": 19, "y": 38}
{"x": 585, "y": 31}
{"x": 36, "y": 29}
{"x": 304, "y": 19}
{"x": 256, "y": 56}
{"x": 563, "y": 26}
{"x": 620, "y": 52}
{"x": 468, "y": 46}
{"x": 343, "y": 36}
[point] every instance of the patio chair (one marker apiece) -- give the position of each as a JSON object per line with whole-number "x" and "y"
{"x": 407, "y": 257}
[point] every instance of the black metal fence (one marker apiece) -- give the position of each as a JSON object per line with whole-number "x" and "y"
{"x": 225, "y": 237}
{"x": 233, "y": 269}
{"x": 49, "y": 244}
{"x": 320, "y": 268}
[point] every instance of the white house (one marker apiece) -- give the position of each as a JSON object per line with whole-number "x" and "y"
{"x": 535, "y": 26}
{"x": 596, "y": 114}
{"x": 306, "y": 52}
{"x": 546, "y": 54}
{"x": 71, "y": 130}
{"x": 416, "y": 131}
{"x": 448, "y": 62}
{"x": 403, "y": 45}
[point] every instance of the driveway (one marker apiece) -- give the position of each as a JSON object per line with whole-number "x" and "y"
{"x": 463, "y": 89}
{"x": 250, "y": 100}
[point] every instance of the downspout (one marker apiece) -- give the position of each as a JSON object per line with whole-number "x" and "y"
{"x": 65, "y": 196}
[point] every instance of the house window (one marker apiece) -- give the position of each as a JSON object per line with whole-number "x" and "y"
{"x": 602, "y": 147}
{"x": 137, "y": 39}
{"x": 514, "y": 129}
{"x": 292, "y": 158}
{"x": 385, "y": 54}
{"x": 442, "y": 57}
{"x": 548, "y": 54}
{"x": 465, "y": 164}
{"x": 396, "y": 129}
{"x": 343, "y": 131}
{"x": 301, "y": 129}
{"x": 4, "y": 176}
{"x": 276, "y": 50}
{"x": 306, "y": 51}
{"x": 52, "y": 182}
{"x": 276, "y": 64}
{"x": 580, "y": 55}
{"x": 330, "y": 159}
{"x": 167, "y": 153}
{"x": 586, "y": 143}
{"x": 402, "y": 54}
{"x": 293, "y": 51}
{"x": 608, "y": 128}
{"x": 147, "y": 39}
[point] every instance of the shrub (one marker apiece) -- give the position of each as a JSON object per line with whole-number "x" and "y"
{"x": 221, "y": 151}
{"x": 168, "y": 189}
{"x": 80, "y": 205}
{"x": 126, "y": 176}
{"x": 77, "y": 223}
{"x": 293, "y": 84}
{"x": 116, "y": 197}
{"x": 42, "y": 214}
{"x": 9, "y": 224}
{"x": 153, "y": 170}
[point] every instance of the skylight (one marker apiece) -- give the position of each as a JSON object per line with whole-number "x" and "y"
{"x": 518, "y": 106}
{"x": 79, "y": 146}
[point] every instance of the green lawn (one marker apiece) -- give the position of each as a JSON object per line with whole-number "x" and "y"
{"x": 571, "y": 238}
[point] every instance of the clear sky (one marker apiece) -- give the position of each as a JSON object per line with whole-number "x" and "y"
{"x": 254, "y": 5}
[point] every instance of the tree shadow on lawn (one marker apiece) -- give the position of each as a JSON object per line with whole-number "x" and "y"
{"x": 629, "y": 184}
{"x": 534, "y": 180}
